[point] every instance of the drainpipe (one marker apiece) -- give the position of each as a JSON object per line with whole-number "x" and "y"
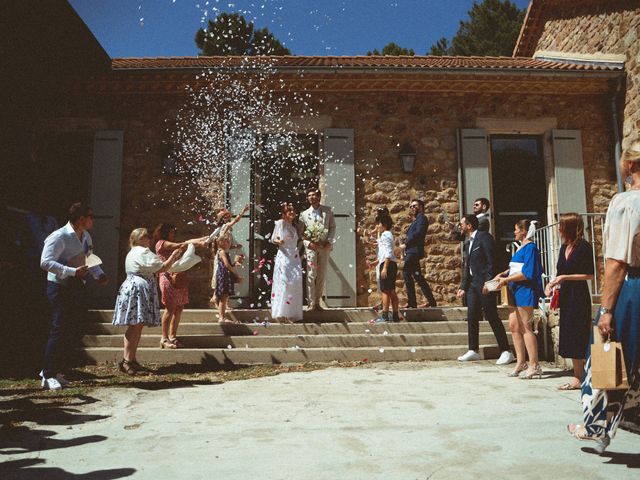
{"x": 616, "y": 132}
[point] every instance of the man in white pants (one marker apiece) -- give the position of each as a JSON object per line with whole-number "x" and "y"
{"x": 317, "y": 253}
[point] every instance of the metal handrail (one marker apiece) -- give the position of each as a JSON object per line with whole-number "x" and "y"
{"x": 549, "y": 242}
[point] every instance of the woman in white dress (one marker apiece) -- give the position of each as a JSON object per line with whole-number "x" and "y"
{"x": 286, "y": 289}
{"x": 137, "y": 303}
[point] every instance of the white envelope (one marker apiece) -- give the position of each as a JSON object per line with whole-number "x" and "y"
{"x": 93, "y": 260}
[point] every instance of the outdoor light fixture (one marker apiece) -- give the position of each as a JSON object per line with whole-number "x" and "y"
{"x": 408, "y": 158}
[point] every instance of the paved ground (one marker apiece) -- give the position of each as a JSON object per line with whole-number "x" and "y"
{"x": 435, "y": 420}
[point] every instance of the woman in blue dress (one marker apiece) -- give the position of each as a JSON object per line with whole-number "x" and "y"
{"x": 619, "y": 313}
{"x": 524, "y": 278}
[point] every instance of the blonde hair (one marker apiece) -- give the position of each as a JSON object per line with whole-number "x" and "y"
{"x": 632, "y": 152}
{"x": 137, "y": 235}
{"x": 223, "y": 238}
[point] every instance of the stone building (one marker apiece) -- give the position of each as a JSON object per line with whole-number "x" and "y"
{"x": 535, "y": 135}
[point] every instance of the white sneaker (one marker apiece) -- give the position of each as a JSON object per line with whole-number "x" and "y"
{"x": 59, "y": 377}
{"x": 469, "y": 356}
{"x": 51, "y": 384}
{"x": 506, "y": 357}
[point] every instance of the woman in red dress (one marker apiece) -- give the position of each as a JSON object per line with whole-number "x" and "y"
{"x": 175, "y": 294}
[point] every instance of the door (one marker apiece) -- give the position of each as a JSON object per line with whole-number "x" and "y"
{"x": 339, "y": 194}
{"x": 241, "y": 149}
{"x": 473, "y": 145}
{"x": 569, "y": 171}
{"x": 105, "y": 200}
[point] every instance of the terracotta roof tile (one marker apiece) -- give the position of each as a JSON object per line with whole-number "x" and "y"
{"x": 365, "y": 62}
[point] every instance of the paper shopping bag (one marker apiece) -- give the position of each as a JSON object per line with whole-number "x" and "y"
{"x": 608, "y": 370}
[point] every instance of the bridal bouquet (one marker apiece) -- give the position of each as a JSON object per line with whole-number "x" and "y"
{"x": 316, "y": 232}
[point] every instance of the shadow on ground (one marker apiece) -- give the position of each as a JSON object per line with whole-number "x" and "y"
{"x": 25, "y": 470}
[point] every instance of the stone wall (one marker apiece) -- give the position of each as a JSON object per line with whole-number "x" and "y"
{"x": 610, "y": 28}
{"x": 381, "y": 122}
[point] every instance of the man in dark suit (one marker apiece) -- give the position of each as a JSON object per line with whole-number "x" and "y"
{"x": 413, "y": 251}
{"x": 477, "y": 257}
{"x": 481, "y": 211}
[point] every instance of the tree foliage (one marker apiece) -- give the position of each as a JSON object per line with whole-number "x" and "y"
{"x": 492, "y": 30}
{"x": 231, "y": 34}
{"x": 392, "y": 49}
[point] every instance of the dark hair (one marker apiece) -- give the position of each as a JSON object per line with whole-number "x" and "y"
{"x": 523, "y": 224}
{"x": 471, "y": 220}
{"x": 314, "y": 190}
{"x": 483, "y": 201}
{"x": 571, "y": 228}
{"x": 285, "y": 207}
{"x": 419, "y": 202}
{"x": 386, "y": 221}
{"x": 161, "y": 232}
{"x": 79, "y": 210}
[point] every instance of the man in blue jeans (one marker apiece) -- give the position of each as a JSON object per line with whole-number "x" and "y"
{"x": 64, "y": 257}
{"x": 413, "y": 252}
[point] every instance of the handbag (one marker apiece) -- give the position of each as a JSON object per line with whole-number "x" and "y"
{"x": 235, "y": 277}
{"x": 608, "y": 369}
{"x": 555, "y": 299}
{"x": 492, "y": 285}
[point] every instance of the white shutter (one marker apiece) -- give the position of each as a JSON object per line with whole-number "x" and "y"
{"x": 339, "y": 194}
{"x": 106, "y": 185}
{"x": 569, "y": 171}
{"x": 240, "y": 150}
{"x": 473, "y": 148}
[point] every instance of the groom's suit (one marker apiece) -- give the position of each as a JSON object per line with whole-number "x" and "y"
{"x": 317, "y": 260}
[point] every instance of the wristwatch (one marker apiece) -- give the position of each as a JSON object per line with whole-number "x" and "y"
{"x": 603, "y": 310}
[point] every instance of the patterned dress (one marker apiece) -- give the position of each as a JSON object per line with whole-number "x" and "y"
{"x": 137, "y": 300}
{"x": 224, "y": 284}
{"x": 603, "y": 410}
{"x": 172, "y": 297}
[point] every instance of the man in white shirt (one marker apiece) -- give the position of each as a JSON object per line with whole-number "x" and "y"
{"x": 317, "y": 253}
{"x": 64, "y": 258}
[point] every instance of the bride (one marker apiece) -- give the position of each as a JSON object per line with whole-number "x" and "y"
{"x": 286, "y": 289}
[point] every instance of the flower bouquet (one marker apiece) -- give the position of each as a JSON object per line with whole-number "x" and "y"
{"x": 316, "y": 232}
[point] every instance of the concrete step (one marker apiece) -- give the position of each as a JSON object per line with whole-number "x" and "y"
{"x": 303, "y": 341}
{"x": 326, "y": 316}
{"x": 275, "y": 329}
{"x": 252, "y": 356}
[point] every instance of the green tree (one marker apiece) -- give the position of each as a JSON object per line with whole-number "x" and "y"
{"x": 492, "y": 30}
{"x": 392, "y": 49}
{"x": 231, "y": 34}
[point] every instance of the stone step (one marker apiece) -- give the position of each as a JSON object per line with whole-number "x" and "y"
{"x": 253, "y": 356}
{"x": 326, "y": 316}
{"x": 275, "y": 329}
{"x": 302, "y": 341}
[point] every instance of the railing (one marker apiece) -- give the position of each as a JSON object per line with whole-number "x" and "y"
{"x": 549, "y": 243}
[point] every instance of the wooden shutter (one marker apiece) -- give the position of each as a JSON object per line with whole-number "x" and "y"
{"x": 339, "y": 175}
{"x": 473, "y": 148}
{"x": 569, "y": 171}
{"x": 106, "y": 185}
{"x": 240, "y": 151}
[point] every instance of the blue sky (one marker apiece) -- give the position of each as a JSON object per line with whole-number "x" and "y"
{"x": 150, "y": 28}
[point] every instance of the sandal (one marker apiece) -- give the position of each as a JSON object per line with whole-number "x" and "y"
{"x": 519, "y": 368}
{"x": 176, "y": 342}
{"x": 125, "y": 366}
{"x": 530, "y": 374}
{"x": 580, "y": 432}
{"x": 569, "y": 386}
{"x": 166, "y": 343}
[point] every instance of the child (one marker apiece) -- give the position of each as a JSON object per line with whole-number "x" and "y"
{"x": 224, "y": 277}
{"x": 387, "y": 267}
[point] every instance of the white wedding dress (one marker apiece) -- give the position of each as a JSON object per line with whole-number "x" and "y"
{"x": 286, "y": 289}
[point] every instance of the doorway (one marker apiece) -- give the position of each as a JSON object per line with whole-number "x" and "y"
{"x": 519, "y": 188}
{"x": 286, "y": 169}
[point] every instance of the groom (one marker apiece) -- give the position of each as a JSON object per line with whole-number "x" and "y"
{"x": 317, "y": 250}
